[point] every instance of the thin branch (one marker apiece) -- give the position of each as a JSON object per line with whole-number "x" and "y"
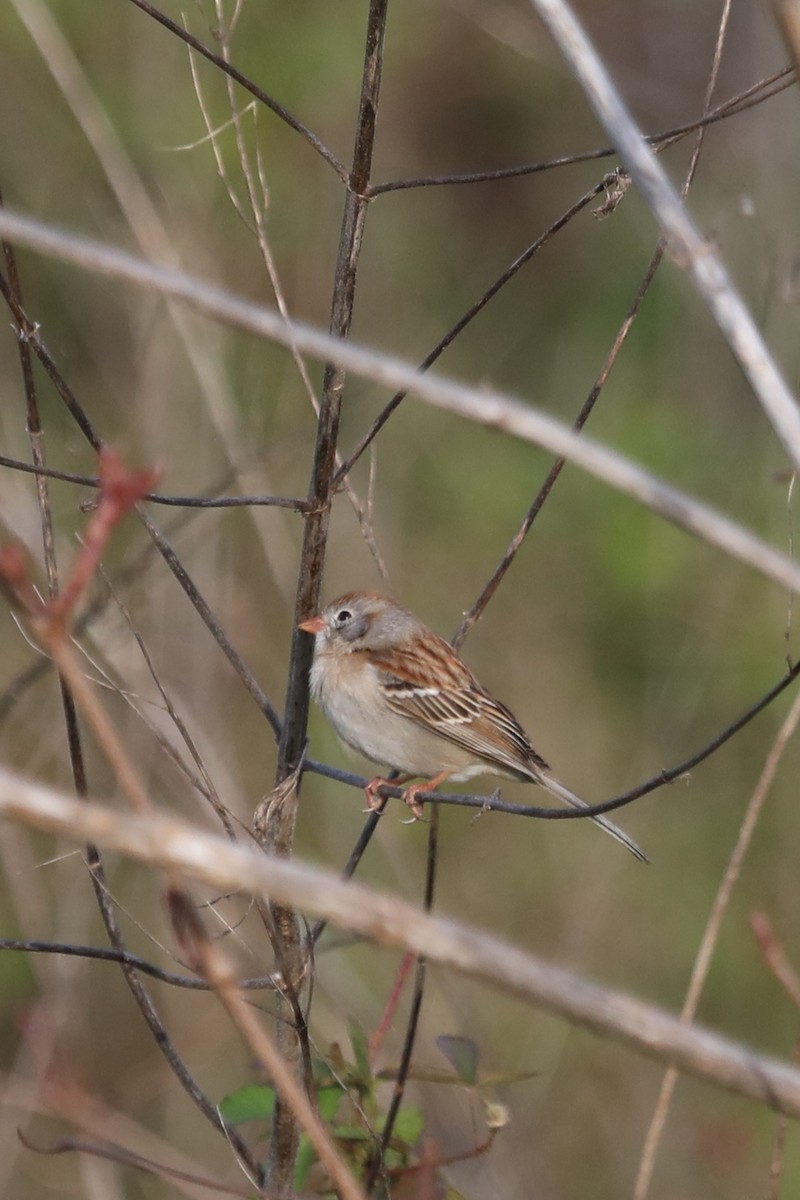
{"x": 157, "y": 1027}
{"x": 758, "y": 93}
{"x": 258, "y": 208}
{"x": 489, "y": 589}
{"x": 493, "y": 803}
{"x": 247, "y": 84}
{"x": 129, "y": 1158}
{"x": 475, "y": 611}
{"x": 398, "y": 1091}
{"x": 211, "y": 621}
{"x": 103, "y": 954}
{"x": 463, "y": 321}
{"x": 92, "y": 481}
{"x": 490, "y": 409}
{"x": 708, "y": 942}
{"x": 208, "y": 787}
{"x": 284, "y": 1141}
{"x": 389, "y": 920}
{"x": 689, "y": 248}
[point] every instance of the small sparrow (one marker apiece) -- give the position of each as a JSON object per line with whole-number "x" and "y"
{"x": 400, "y": 695}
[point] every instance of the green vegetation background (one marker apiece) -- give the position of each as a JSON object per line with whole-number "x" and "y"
{"x": 622, "y": 644}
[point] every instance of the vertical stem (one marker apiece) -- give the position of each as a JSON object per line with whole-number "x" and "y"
{"x": 375, "y": 1167}
{"x": 285, "y": 1134}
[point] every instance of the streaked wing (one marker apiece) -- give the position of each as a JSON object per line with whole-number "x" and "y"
{"x": 456, "y": 706}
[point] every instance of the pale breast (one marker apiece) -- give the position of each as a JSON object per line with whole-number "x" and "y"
{"x": 348, "y": 691}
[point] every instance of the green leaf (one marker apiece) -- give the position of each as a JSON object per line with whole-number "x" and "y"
{"x": 408, "y": 1126}
{"x": 462, "y": 1054}
{"x": 350, "y": 1133}
{"x": 306, "y": 1157}
{"x": 358, "y": 1040}
{"x": 252, "y": 1103}
{"x": 328, "y": 1100}
{"x": 334, "y": 1062}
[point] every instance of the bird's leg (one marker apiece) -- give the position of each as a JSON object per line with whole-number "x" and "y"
{"x": 427, "y": 785}
{"x": 375, "y": 802}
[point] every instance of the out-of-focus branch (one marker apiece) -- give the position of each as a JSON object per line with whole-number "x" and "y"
{"x": 248, "y": 85}
{"x": 172, "y": 844}
{"x": 491, "y": 409}
{"x": 687, "y": 245}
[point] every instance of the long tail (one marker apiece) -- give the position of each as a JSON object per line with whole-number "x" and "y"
{"x": 563, "y": 793}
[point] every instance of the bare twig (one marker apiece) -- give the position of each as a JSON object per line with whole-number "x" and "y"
{"x": 92, "y": 481}
{"x": 214, "y": 966}
{"x": 775, "y": 956}
{"x": 378, "y": 1160}
{"x": 690, "y": 249}
{"x": 490, "y": 409}
{"x": 207, "y": 786}
{"x": 494, "y": 803}
{"x": 757, "y": 93}
{"x": 103, "y": 954}
{"x": 389, "y": 920}
{"x": 708, "y": 942}
{"x": 258, "y": 210}
{"x": 284, "y": 1141}
{"x": 463, "y": 321}
{"x": 479, "y": 605}
{"x": 211, "y": 621}
{"x": 245, "y": 83}
{"x": 128, "y": 1158}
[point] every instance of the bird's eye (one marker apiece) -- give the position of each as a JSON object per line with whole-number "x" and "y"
{"x": 343, "y": 616}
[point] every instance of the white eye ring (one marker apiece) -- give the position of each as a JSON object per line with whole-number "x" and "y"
{"x": 343, "y": 616}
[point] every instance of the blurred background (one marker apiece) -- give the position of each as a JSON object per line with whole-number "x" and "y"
{"x": 622, "y": 644}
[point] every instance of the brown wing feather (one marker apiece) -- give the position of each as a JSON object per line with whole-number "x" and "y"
{"x": 459, "y": 708}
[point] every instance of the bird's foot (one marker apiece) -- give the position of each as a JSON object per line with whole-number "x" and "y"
{"x": 417, "y": 806}
{"x": 411, "y": 795}
{"x": 375, "y": 802}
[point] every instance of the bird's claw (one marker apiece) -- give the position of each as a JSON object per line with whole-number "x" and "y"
{"x": 375, "y": 802}
{"x": 417, "y": 806}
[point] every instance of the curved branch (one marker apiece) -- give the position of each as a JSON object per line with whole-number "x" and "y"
{"x": 689, "y": 248}
{"x": 389, "y": 920}
{"x": 491, "y": 409}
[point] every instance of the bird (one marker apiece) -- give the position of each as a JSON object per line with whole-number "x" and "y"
{"x": 401, "y": 696}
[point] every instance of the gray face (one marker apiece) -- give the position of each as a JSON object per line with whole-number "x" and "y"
{"x": 348, "y": 621}
{"x": 369, "y": 621}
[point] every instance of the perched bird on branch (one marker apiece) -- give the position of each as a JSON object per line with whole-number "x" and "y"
{"x": 400, "y": 695}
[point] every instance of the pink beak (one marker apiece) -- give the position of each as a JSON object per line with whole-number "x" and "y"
{"x": 312, "y": 625}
